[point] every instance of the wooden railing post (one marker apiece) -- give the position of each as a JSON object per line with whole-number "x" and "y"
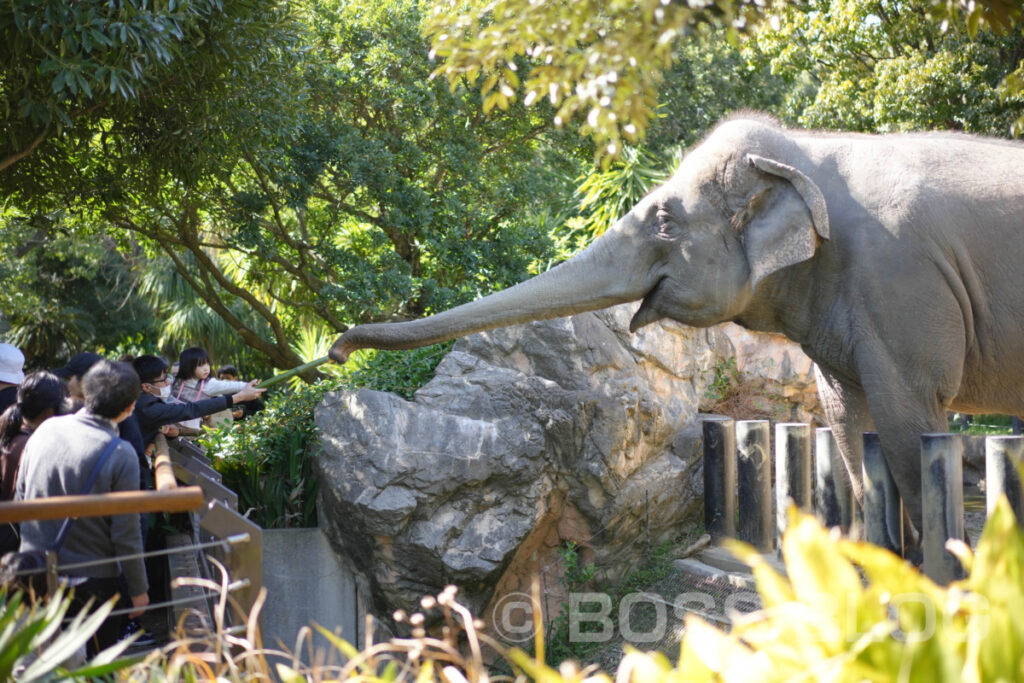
{"x": 163, "y": 469}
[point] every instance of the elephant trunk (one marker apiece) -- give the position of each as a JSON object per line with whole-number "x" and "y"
{"x": 596, "y": 278}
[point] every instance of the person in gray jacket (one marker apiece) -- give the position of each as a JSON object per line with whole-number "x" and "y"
{"x": 57, "y": 460}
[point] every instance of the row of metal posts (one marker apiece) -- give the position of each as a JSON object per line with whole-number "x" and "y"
{"x": 738, "y": 465}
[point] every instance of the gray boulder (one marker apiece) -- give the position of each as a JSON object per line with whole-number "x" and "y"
{"x": 527, "y": 438}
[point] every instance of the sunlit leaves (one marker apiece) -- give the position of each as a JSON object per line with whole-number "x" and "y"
{"x": 603, "y": 62}
{"x": 1000, "y": 15}
{"x": 849, "y": 611}
{"x": 598, "y": 61}
{"x": 384, "y": 196}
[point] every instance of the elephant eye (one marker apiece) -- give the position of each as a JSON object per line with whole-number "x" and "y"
{"x": 669, "y": 227}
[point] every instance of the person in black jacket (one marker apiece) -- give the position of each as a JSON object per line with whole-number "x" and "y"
{"x": 153, "y": 412}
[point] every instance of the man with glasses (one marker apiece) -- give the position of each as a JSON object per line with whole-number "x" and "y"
{"x": 153, "y": 412}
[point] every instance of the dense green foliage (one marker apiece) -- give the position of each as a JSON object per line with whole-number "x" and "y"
{"x": 883, "y": 66}
{"x": 62, "y": 293}
{"x": 92, "y": 90}
{"x": 382, "y": 195}
{"x": 601, "y": 61}
{"x": 268, "y": 459}
{"x": 400, "y": 372}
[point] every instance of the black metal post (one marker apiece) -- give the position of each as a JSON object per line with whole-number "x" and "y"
{"x": 942, "y": 503}
{"x": 753, "y": 470}
{"x": 719, "y": 477}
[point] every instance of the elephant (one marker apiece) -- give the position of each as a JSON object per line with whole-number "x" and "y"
{"x": 896, "y": 261}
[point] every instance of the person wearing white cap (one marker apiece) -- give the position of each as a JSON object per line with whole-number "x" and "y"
{"x": 12, "y": 373}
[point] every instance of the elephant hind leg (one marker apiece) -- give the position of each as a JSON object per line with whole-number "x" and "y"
{"x": 901, "y": 416}
{"x": 849, "y": 414}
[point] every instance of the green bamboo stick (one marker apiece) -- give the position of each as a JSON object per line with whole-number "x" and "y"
{"x": 271, "y": 381}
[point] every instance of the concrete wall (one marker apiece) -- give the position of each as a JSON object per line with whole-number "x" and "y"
{"x": 307, "y": 583}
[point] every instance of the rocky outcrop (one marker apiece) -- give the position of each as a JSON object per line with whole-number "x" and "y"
{"x": 528, "y": 437}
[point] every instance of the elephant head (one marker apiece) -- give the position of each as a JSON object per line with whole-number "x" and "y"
{"x": 694, "y": 250}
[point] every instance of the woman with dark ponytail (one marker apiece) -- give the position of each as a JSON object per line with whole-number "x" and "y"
{"x": 42, "y": 395}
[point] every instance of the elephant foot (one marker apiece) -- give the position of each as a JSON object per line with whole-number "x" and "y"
{"x": 914, "y": 554}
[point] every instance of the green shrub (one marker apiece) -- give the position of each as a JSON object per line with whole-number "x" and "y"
{"x": 268, "y": 459}
{"x": 400, "y": 372}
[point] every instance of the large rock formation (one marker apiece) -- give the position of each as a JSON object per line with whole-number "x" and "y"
{"x": 528, "y": 437}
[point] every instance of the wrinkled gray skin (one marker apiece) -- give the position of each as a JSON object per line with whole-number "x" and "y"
{"x": 895, "y": 261}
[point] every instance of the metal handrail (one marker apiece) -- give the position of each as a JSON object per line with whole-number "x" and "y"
{"x": 219, "y": 543}
{"x": 225, "y": 543}
{"x": 205, "y": 595}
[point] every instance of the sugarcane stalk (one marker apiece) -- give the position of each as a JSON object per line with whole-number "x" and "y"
{"x": 271, "y": 381}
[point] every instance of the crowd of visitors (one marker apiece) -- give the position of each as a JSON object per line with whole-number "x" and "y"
{"x": 85, "y": 428}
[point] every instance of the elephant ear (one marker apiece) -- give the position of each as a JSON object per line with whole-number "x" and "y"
{"x": 781, "y": 224}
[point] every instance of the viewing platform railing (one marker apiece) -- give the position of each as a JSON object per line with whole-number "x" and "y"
{"x": 216, "y": 531}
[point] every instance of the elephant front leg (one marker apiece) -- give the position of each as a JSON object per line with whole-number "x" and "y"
{"x": 846, "y": 410}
